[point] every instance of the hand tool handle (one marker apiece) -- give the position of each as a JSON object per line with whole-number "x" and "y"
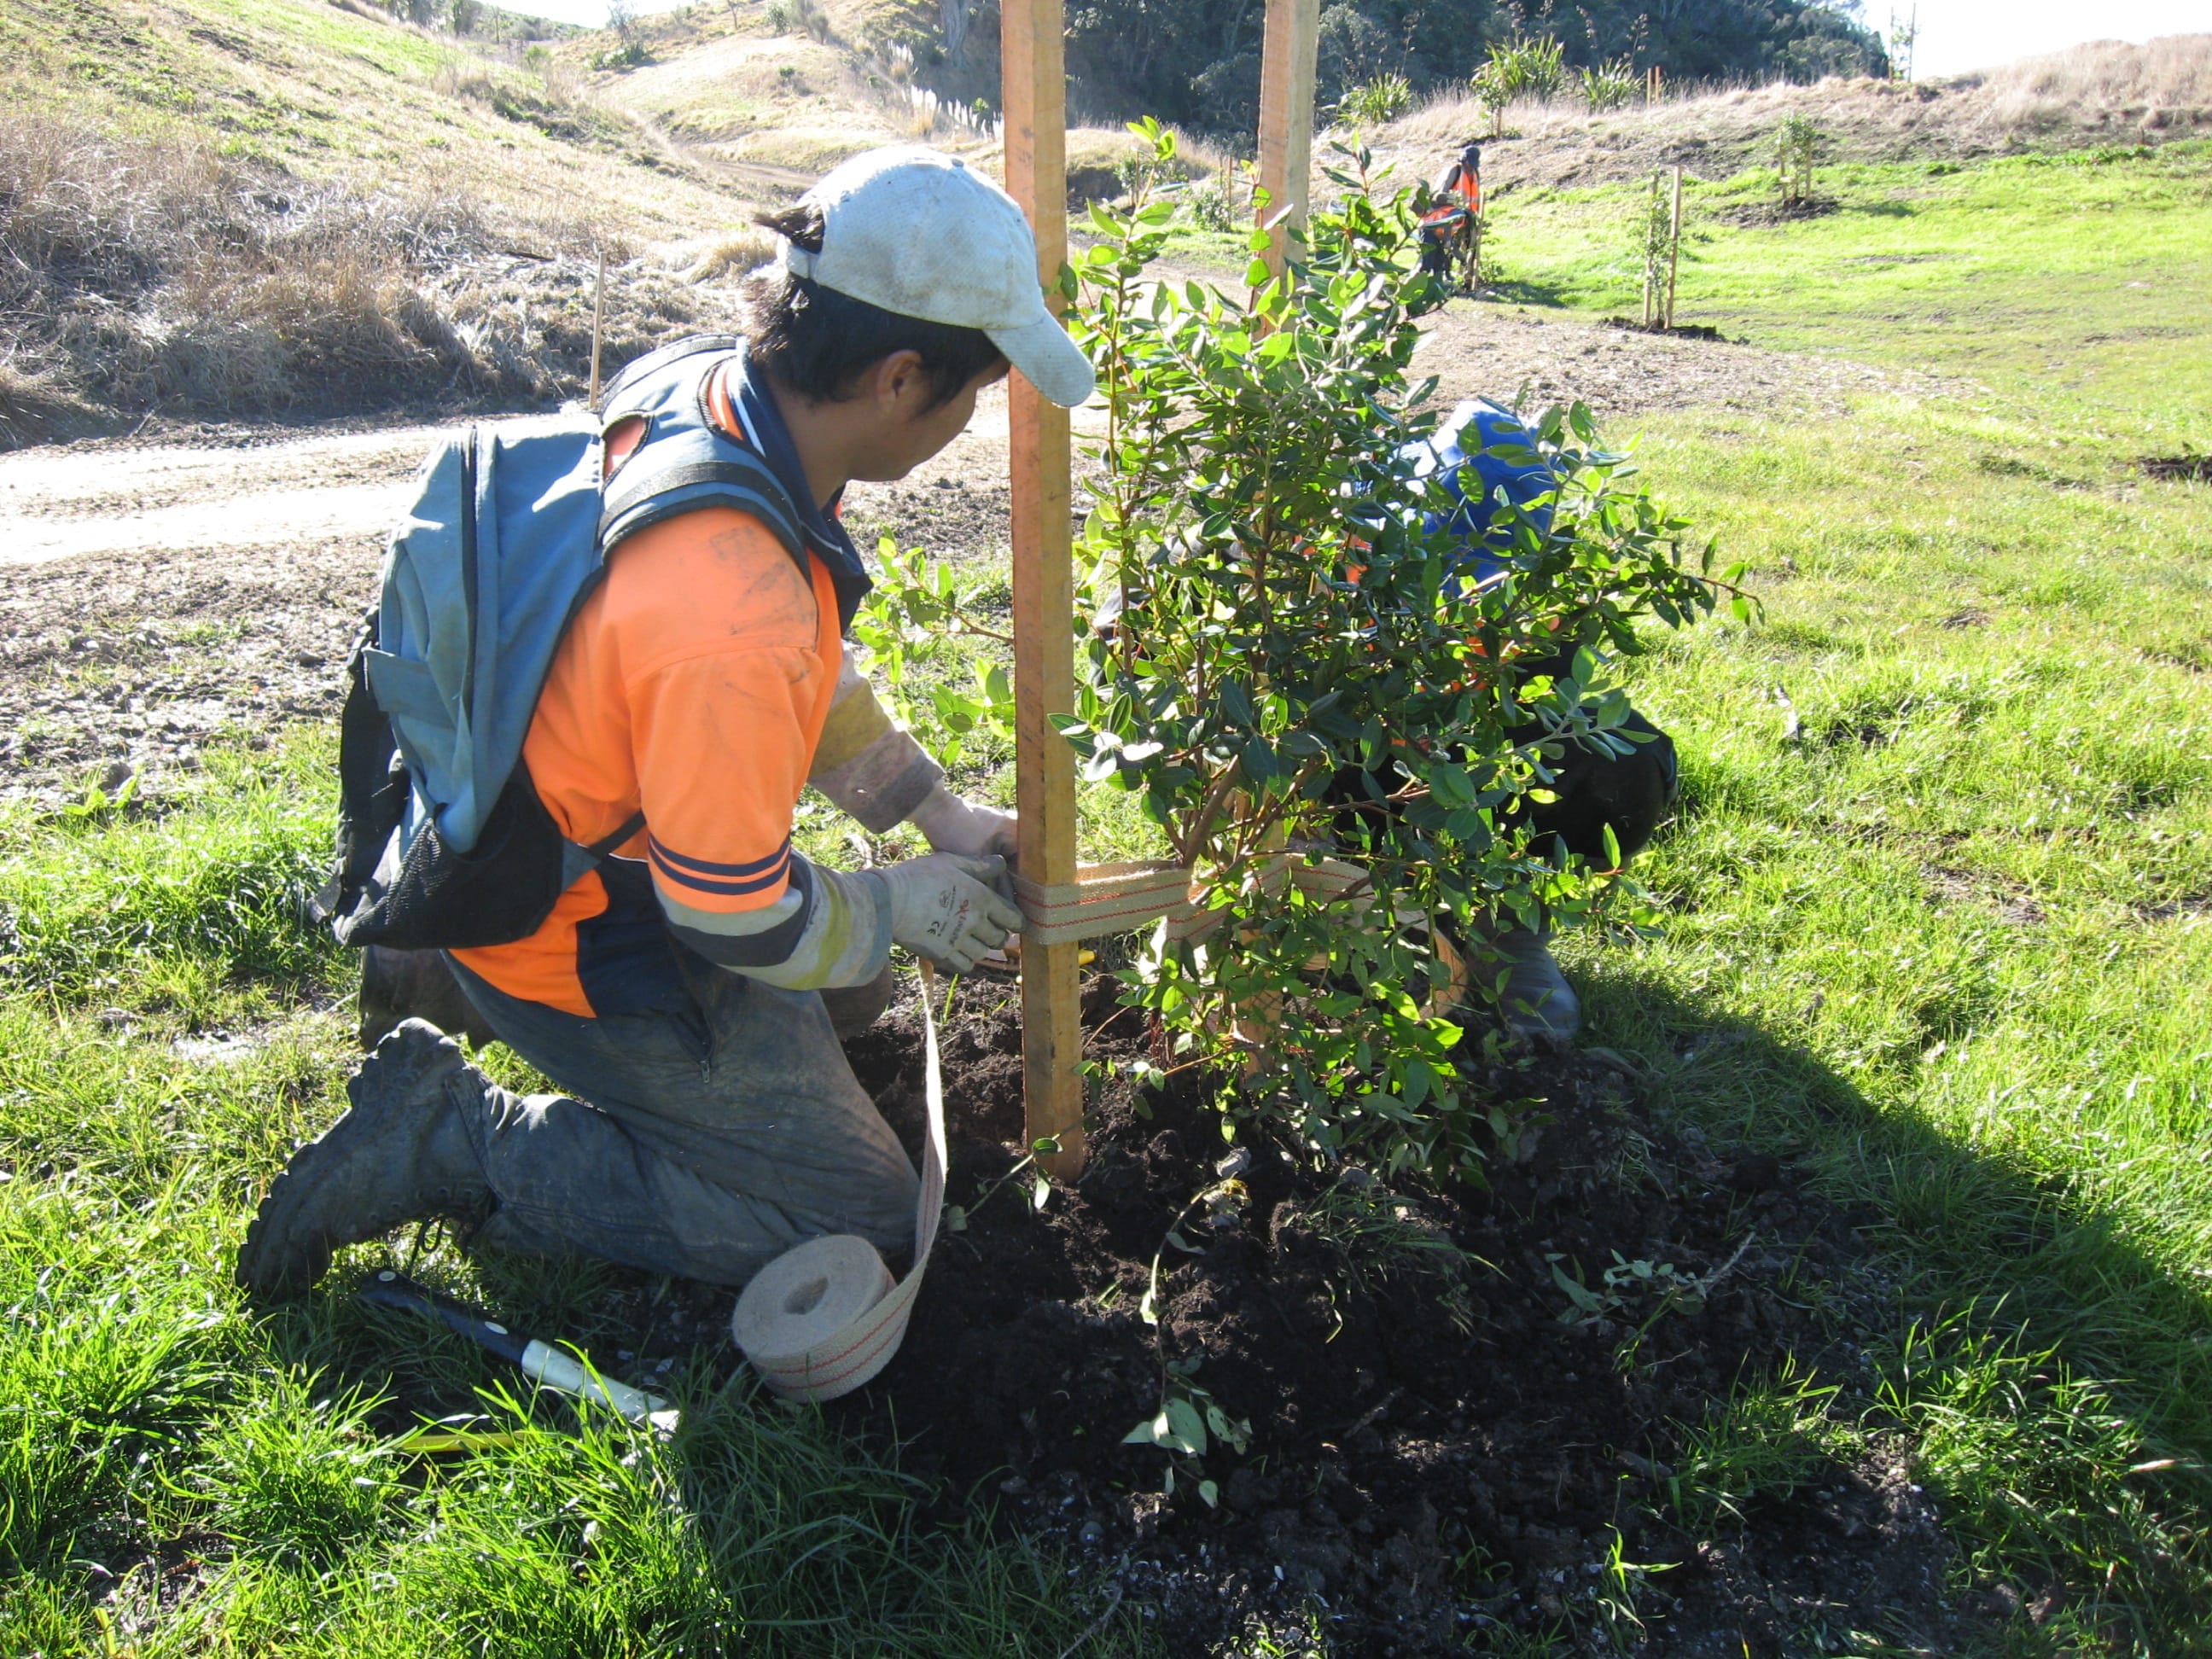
{"x": 558, "y": 1370}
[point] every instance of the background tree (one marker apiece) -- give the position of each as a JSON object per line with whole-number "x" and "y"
{"x": 1196, "y": 63}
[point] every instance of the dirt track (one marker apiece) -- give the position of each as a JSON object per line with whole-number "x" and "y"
{"x": 158, "y": 594}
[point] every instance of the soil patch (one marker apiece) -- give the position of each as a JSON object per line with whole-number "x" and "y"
{"x": 1780, "y": 213}
{"x": 1419, "y": 1429}
{"x": 2191, "y": 469}
{"x": 1508, "y": 352}
{"x": 1680, "y": 332}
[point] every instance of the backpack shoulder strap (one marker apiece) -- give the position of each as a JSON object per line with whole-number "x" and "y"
{"x": 661, "y": 357}
{"x": 662, "y": 481}
{"x": 684, "y": 461}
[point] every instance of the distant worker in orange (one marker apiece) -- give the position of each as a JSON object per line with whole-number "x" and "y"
{"x": 1450, "y": 222}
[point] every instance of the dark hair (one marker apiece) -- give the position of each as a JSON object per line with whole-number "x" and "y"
{"x": 816, "y": 342}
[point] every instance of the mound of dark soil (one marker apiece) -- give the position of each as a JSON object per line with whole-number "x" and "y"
{"x": 1680, "y": 332}
{"x": 1442, "y": 1434}
{"x": 2197, "y": 469}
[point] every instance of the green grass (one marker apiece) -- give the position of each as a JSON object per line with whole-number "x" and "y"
{"x": 175, "y": 906}
{"x": 2078, "y": 277}
{"x": 183, "y": 1473}
{"x": 1939, "y": 899}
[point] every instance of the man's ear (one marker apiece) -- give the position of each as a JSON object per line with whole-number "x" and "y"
{"x": 902, "y": 383}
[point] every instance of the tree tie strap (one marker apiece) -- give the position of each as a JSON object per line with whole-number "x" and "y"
{"x": 823, "y": 1319}
{"x": 1120, "y": 898}
{"x": 1104, "y": 898}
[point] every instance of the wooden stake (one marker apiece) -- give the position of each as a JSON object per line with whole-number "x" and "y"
{"x": 1035, "y": 99}
{"x": 1286, "y": 113}
{"x": 1674, "y": 247}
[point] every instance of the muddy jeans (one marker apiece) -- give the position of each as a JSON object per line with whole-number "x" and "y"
{"x": 717, "y": 1135}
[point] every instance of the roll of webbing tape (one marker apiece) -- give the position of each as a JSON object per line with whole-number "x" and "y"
{"x": 823, "y": 1319}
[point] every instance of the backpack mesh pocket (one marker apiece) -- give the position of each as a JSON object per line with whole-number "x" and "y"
{"x": 501, "y": 889}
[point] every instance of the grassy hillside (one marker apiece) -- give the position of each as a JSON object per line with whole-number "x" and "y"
{"x": 2106, "y": 93}
{"x": 2075, "y": 277}
{"x": 287, "y": 206}
{"x": 329, "y": 93}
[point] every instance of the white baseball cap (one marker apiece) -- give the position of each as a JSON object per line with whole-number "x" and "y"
{"x": 912, "y": 230}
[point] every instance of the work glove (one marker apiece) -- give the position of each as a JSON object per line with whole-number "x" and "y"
{"x": 950, "y": 909}
{"x": 951, "y": 824}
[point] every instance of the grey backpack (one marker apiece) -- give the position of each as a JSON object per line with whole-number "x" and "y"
{"x": 442, "y": 841}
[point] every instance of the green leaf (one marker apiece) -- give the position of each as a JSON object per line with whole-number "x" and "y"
{"x": 1153, "y": 1432}
{"x": 1187, "y": 1429}
{"x": 1583, "y": 1298}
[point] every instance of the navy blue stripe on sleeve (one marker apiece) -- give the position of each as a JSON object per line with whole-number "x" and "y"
{"x": 761, "y": 950}
{"x": 693, "y": 873}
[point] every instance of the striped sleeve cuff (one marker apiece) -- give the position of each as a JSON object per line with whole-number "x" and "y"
{"x": 827, "y": 929}
{"x": 687, "y": 875}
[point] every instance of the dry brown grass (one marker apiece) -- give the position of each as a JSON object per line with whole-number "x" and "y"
{"x": 149, "y": 274}
{"x": 2103, "y": 93}
{"x": 721, "y": 259}
{"x": 2166, "y": 81}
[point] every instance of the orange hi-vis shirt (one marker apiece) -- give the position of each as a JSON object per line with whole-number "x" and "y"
{"x": 692, "y": 686}
{"x": 1458, "y": 191}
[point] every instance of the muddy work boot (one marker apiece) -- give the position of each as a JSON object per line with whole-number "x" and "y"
{"x": 401, "y": 1153}
{"x": 1539, "y": 1004}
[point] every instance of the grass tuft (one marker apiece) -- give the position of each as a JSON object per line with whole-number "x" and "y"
{"x": 109, "y": 906}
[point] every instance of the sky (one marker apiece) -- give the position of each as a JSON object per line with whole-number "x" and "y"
{"x": 1958, "y": 35}
{"x": 1955, "y": 35}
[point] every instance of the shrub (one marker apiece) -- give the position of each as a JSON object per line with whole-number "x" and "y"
{"x": 1524, "y": 66}
{"x": 1611, "y": 85}
{"x": 1212, "y": 202}
{"x": 1289, "y": 623}
{"x": 1376, "y": 102}
{"x": 1797, "y": 145}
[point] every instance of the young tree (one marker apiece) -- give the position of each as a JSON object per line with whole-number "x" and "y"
{"x": 1330, "y": 724}
{"x": 1798, "y": 144}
